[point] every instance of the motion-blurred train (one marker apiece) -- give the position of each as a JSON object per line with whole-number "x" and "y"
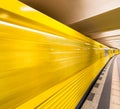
{"x": 43, "y": 63}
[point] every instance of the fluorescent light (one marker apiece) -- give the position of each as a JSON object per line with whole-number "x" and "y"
{"x": 111, "y": 33}
{"x": 105, "y": 34}
{"x": 27, "y": 8}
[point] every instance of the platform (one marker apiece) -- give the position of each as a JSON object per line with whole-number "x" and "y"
{"x": 106, "y": 92}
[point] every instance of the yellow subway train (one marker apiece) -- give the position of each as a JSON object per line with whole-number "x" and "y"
{"x": 43, "y": 63}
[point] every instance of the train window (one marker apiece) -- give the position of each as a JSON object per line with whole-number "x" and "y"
{"x": 113, "y": 51}
{"x": 106, "y": 52}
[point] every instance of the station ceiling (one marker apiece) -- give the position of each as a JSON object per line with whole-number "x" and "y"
{"x": 98, "y": 19}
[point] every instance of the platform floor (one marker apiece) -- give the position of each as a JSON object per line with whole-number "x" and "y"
{"x": 106, "y": 92}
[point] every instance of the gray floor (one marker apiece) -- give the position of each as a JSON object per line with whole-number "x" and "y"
{"x": 106, "y": 92}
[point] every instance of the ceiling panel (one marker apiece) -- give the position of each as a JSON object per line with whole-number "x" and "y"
{"x": 71, "y": 11}
{"x": 98, "y": 19}
{"x": 103, "y": 22}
